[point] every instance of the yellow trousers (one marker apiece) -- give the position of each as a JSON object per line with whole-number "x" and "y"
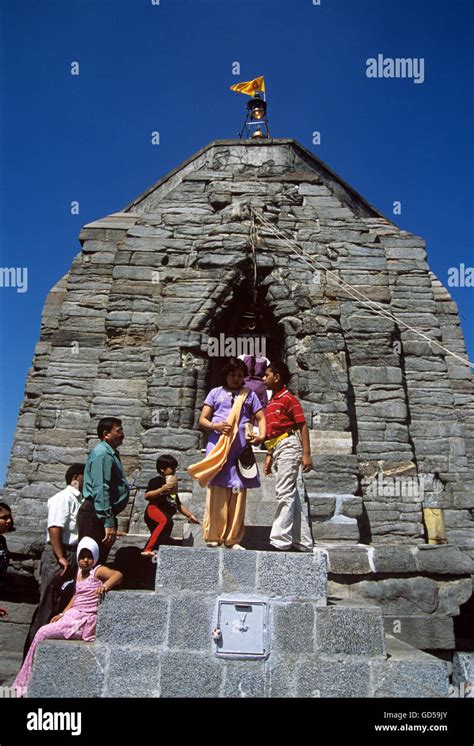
{"x": 224, "y": 515}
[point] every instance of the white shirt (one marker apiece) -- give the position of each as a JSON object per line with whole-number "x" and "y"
{"x": 62, "y": 511}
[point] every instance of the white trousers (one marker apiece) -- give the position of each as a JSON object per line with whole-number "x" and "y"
{"x": 290, "y": 524}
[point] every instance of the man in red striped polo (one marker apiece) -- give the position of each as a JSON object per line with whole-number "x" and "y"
{"x": 288, "y": 452}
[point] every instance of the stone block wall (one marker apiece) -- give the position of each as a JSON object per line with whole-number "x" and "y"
{"x": 126, "y": 332}
{"x": 160, "y": 644}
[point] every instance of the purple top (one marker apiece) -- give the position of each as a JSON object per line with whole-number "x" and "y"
{"x": 256, "y": 367}
{"x": 220, "y": 399}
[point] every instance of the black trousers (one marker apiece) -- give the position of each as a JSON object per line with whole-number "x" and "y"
{"x": 49, "y": 565}
{"x": 89, "y": 524}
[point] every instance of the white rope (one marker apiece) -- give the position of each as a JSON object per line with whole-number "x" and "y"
{"x": 353, "y": 292}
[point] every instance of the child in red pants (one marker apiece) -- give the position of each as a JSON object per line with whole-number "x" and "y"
{"x": 163, "y": 504}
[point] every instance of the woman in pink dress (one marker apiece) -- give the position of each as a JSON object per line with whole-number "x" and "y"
{"x": 79, "y": 618}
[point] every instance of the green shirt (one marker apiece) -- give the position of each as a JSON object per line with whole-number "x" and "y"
{"x": 105, "y": 482}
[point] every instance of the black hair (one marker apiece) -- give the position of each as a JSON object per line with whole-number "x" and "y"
{"x": 5, "y": 506}
{"x": 162, "y": 462}
{"x": 106, "y": 424}
{"x": 282, "y": 370}
{"x": 230, "y": 366}
{"x": 73, "y": 470}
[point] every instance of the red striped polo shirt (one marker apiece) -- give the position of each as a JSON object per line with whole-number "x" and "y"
{"x": 282, "y": 413}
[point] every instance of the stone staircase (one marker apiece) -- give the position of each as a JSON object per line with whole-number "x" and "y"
{"x": 279, "y": 637}
{"x": 333, "y": 514}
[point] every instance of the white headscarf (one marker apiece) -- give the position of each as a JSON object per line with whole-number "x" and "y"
{"x": 91, "y": 545}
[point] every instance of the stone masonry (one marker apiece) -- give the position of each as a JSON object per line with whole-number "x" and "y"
{"x": 160, "y": 644}
{"x": 126, "y": 333}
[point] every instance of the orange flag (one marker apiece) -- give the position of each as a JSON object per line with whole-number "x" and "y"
{"x": 250, "y": 87}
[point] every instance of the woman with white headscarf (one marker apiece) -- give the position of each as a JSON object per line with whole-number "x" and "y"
{"x": 79, "y": 618}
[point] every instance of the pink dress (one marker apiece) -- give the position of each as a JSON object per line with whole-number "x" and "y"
{"x": 78, "y": 623}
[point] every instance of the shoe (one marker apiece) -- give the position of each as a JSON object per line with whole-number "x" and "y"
{"x": 302, "y": 550}
{"x": 237, "y": 546}
{"x": 212, "y": 544}
{"x": 272, "y": 548}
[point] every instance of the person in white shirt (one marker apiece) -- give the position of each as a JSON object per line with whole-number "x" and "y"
{"x": 62, "y": 537}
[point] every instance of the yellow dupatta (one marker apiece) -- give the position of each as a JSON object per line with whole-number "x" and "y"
{"x": 211, "y": 465}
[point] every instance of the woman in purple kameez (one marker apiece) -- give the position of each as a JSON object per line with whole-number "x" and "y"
{"x": 227, "y": 491}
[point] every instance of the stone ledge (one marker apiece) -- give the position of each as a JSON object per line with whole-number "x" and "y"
{"x": 446, "y": 560}
{"x": 408, "y": 673}
{"x": 423, "y": 631}
{"x": 78, "y": 669}
{"x": 217, "y": 571}
{"x": 364, "y": 559}
{"x": 68, "y": 669}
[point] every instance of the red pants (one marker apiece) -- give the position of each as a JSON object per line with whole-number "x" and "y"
{"x": 160, "y": 526}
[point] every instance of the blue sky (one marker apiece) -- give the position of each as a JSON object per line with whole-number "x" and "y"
{"x": 168, "y": 67}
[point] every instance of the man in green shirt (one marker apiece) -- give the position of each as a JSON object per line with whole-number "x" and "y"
{"x": 105, "y": 488}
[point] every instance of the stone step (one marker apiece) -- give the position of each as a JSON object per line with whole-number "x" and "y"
{"x": 408, "y": 672}
{"x": 150, "y": 645}
{"x": 326, "y": 505}
{"x": 125, "y": 555}
{"x": 255, "y": 537}
{"x": 216, "y": 571}
{"x": 259, "y": 515}
{"x": 463, "y": 670}
{"x": 159, "y": 643}
{"x": 337, "y": 530}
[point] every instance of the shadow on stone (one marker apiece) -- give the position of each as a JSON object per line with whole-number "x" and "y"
{"x": 257, "y": 537}
{"x": 464, "y": 626}
{"x": 138, "y": 571}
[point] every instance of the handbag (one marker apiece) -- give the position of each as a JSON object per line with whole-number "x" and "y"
{"x": 246, "y": 464}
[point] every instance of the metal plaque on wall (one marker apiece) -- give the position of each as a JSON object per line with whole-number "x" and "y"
{"x": 243, "y": 628}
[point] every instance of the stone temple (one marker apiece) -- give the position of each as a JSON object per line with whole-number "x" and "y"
{"x": 259, "y": 241}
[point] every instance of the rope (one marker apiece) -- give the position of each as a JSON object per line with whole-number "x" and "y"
{"x": 353, "y": 292}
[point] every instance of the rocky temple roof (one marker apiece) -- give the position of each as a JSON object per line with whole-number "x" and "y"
{"x": 294, "y": 164}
